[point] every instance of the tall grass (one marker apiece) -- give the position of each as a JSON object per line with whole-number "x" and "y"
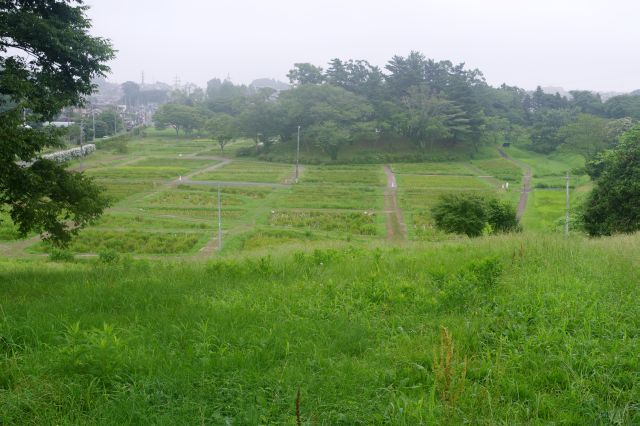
{"x": 548, "y": 328}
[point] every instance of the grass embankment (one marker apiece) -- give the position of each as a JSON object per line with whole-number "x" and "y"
{"x": 509, "y": 330}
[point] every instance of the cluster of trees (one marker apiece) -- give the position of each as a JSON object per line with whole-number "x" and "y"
{"x": 413, "y": 98}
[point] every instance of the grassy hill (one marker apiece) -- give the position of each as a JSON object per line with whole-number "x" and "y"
{"x": 522, "y": 329}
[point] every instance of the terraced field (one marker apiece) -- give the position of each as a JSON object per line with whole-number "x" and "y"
{"x": 164, "y": 194}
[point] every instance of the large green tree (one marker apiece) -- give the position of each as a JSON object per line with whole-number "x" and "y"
{"x": 180, "y": 117}
{"x": 586, "y": 135}
{"x": 222, "y": 128}
{"x": 614, "y": 203}
{"x": 47, "y": 61}
{"x": 432, "y": 119}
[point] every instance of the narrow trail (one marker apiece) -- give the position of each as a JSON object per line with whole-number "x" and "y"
{"x": 396, "y": 228}
{"x": 17, "y": 248}
{"x": 526, "y": 183}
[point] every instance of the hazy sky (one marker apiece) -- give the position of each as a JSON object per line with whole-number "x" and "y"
{"x": 585, "y": 44}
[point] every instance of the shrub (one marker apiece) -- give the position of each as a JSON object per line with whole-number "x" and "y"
{"x": 473, "y": 215}
{"x": 501, "y": 215}
{"x": 109, "y": 256}
{"x": 60, "y": 255}
{"x": 461, "y": 214}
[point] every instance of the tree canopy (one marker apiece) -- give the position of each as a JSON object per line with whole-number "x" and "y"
{"x": 614, "y": 204}
{"x": 47, "y": 62}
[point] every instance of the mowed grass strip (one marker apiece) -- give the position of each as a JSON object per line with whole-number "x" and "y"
{"x": 504, "y": 330}
{"x": 244, "y": 171}
{"x": 546, "y": 209}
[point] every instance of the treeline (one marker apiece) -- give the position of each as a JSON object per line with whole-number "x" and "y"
{"x": 412, "y": 99}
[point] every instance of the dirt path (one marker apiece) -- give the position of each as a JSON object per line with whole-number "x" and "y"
{"x": 17, "y": 248}
{"x": 396, "y": 228}
{"x": 526, "y": 183}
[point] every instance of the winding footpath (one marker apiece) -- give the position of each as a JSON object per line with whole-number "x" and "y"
{"x": 526, "y": 183}
{"x": 396, "y": 228}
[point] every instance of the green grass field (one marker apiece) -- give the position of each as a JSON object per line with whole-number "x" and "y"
{"x": 262, "y": 206}
{"x": 524, "y": 329}
{"x": 150, "y": 324}
{"x": 245, "y": 171}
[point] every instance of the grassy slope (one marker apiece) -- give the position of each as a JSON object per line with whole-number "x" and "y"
{"x": 549, "y": 328}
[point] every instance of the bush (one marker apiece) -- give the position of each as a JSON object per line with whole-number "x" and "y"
{"x": 60, "y": 255}
{"x": 501, "y": 215}
{"x": 461, "y": 214}
{"x": 109, "y": 256}
{"x": 472, "y": 214}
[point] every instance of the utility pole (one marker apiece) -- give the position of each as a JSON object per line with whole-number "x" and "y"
{"x": 219, "y": 222}
{"x": 124, "y": 124}
{"x": 298, "y": 154}
{"x": 81, "y": 150}
{"x": 566, "y": 216}
{"x": 93, "y": 117}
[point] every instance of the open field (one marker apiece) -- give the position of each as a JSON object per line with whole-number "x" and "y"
{"x": 164, "y": 190}
{"x": 523, "y": 329}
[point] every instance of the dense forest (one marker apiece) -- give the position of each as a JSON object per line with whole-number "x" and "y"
{"x": 413, "y": 99}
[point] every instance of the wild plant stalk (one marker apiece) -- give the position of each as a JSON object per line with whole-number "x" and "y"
{"x": 449, "y": 374}
{"x": 298, "y": 419}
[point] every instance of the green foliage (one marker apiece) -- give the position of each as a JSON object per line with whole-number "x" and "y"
{"x": 545, "y": 136}
{"x": 501, "y": 215}
{"x": 586, "y": 135}
{"x": 222, "y": 128}
{"x": 109, "y": 256}
{"x": 179, "y": 117}
{"x": 483, "y": 332}
{"x": 430, "y": 118}
{"x": 117, "y": 144}
{"x": 471, "y": 214}
{"x": 363, "y": 223}
{"x": 329, "y": 136}
{"x": 461, "y": 214}
{"x": 305, "y": 73}
{"x": 47, "y": 62}
{"x": 60, "y": 255}
{"x": 614, "y": 204}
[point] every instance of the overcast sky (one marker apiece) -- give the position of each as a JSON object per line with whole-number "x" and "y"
{"x": 584, "y": 44}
